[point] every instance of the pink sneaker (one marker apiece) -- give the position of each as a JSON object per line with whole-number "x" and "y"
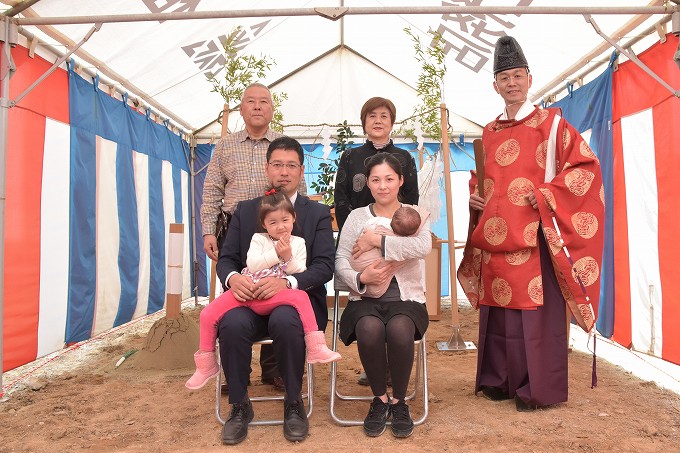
{"x": 206, "y": 368}
{"x": 317, "y": 351}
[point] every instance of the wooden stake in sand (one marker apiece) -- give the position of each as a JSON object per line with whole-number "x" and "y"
{"x": 173, "y": 286}
{"x": 171, "y": 341}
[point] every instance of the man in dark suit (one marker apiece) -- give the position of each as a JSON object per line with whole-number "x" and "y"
{"x": 241, "y": 326}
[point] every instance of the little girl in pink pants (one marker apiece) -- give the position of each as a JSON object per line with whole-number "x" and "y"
{"x": 275, "y": 253}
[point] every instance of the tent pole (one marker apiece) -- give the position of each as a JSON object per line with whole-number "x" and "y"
{"x": 456, "y": 342}
{"x": 339, "y": 12}
{"x": 4, "y": 120}
{"x": 57, "y": 63}
{"x": 192, "y": 188}
{"x": 632, "y": 57}
{"x": 572, "y": 71}
{"x": 103, "y": 69}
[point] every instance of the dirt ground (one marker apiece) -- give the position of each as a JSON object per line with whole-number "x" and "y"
{"x": 79, "y": 401}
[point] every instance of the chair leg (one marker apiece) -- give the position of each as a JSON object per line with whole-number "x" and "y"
{"x": 334, "y": 369}
{"x": 423, "y": 363}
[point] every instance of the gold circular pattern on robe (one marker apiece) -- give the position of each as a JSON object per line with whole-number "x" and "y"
{"x": 486, "y": 256}
{"x": 537, "y": 119}
{"x": 549, "y": 198}
{"x": 566, "y": 138}
{"x": 566, "y": 165}
{"x": 585, "y": 224}
{"x": 578, "y": 181}
{"x": 536, "y": 290}
{"x": 541, "y": 154}
{"x": 507, "y": 152}
{"x": 529, "y": 234}
{"x": 518, "y": 190}
{"x": 585, "y": 150}
{"x": 586, "y": 268}
{"x": 552, "y": 239}
{"x": 495, "y": 230}
{"x": 602, "y": 194}
{"x": 518, "y": 257}
{"x": 501, "y": 291}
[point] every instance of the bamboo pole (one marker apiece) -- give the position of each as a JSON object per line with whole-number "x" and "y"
{"x": 456, "y": 342}
{"x": 449, "y": 214}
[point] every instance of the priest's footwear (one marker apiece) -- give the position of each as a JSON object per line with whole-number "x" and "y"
{"x": 495, "y": 393}
{"x": 524, "y": 407}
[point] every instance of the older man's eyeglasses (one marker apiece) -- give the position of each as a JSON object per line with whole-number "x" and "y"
{"x": 279, "y": 165}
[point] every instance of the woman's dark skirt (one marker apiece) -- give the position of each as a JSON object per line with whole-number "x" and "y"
{"x": 357, "y": 309}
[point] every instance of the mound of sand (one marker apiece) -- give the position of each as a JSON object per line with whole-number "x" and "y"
{"x": 170, "y": 345}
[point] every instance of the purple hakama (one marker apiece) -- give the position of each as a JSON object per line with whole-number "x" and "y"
{"x": 524, "y": 352}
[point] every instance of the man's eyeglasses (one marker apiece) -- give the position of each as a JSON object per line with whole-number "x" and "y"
{"x": 280, "y": 165}
{"x": 517, "y": 78}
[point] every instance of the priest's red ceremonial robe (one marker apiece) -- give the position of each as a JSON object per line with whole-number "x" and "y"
{"x": 501, "y": 264}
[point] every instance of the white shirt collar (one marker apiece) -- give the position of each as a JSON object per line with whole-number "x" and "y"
{"x": 524, "y": 111}
{"x": 293, "y": 198}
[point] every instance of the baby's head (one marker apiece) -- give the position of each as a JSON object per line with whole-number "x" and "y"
{"x": 405, "y": 221}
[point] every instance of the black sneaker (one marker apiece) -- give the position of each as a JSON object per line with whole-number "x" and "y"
{"x": 376, "y": 420}
{"x": 402, "y": 423}
{"x": 235, "y": 428}
{"x": 295, "y": 424}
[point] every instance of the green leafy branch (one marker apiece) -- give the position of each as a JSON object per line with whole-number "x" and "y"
{"x": 324, "y": 182}
{"x": 432, "y": 60}
{"x": 242, "y": 70}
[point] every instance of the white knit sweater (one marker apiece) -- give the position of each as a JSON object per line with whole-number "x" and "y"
{"x": 411, "y": 249}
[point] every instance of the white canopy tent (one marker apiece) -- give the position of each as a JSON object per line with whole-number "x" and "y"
{"x": 161, "y": 51}
{"x": 164, "y": 63}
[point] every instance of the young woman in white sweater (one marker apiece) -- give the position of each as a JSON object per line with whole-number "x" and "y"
{"x": 384, "y": 327}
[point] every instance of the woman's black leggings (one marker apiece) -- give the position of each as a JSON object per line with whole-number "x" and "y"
{"x": 380, "y": 344}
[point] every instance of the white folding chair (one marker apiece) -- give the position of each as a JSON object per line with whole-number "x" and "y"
{"x": 308, "y": 396}
{"x": 421, "y": 369}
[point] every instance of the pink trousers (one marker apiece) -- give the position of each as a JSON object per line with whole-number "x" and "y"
{"x": 213, "y": 313}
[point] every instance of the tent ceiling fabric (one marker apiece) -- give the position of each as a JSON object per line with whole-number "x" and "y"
{"x": 169, "y": 60}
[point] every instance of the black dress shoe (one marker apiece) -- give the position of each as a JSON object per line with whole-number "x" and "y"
{"x": 495, "y": 393}
{"x": 235, "y": 428}
{"x": 524, "y": 407}
{"x": 276, "y": 382}
{"x": 295, "y": 425}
